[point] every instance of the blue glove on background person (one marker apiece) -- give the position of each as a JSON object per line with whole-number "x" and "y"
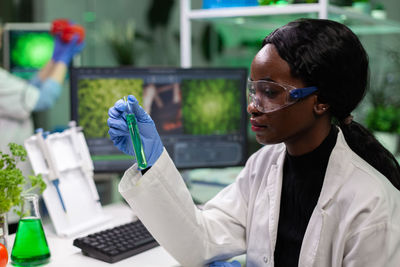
{"x": 65, "y": 51}
{"x": 119, "y": 132}
{"x": 225, "y": 264}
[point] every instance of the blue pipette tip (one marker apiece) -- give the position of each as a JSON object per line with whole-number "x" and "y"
{"x": 56, "y": 183}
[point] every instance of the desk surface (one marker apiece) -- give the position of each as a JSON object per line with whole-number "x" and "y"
{"x": 63, "y": 253}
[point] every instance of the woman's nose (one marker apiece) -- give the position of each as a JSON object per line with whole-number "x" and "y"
{"x": 251, "y": 108}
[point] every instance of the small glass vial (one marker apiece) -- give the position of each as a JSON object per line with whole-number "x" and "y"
{"x": 30, "y": 245}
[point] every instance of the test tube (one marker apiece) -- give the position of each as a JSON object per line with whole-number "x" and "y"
{"x": 135, "y": 137}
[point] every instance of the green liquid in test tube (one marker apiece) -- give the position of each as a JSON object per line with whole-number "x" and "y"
{"x": 136, "y": 141}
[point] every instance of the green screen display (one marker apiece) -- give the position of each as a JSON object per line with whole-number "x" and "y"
{"x": 96, "y": 96}
{"x": 211, "y": 106}
{"x": 30, "y": 50}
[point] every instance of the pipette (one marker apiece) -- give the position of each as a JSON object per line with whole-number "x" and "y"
{"x": 135, "y": 137}
{"x": 53, "y": 175}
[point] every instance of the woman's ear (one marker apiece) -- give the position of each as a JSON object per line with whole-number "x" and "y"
{"x": 320, "y": 108}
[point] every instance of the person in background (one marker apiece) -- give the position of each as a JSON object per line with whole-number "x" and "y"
{"x": 321, "y": 192}
{"x": 19, "y": 98}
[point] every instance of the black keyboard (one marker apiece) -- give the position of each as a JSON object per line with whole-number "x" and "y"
{"x": 118, "y": 243}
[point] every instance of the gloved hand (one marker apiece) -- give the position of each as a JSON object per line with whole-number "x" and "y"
{"x": 225, "y": 264}
{"x": 65, "y": 51}
{"x": 119, "y": 132}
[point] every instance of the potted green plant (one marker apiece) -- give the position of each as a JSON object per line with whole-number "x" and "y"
{"x": 383, "y": 117}
{"x": 13, "y": 185}
{"x": 363, "y": 6}
{"x": 121, "y": 39}
{"x": 384, "y": 121}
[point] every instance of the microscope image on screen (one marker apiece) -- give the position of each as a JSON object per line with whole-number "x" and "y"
{"x": 194, "y": 106}
{"x": 163, "y": 103}
{"x": 211, "y": 106}
{"x": 96, "y": 96}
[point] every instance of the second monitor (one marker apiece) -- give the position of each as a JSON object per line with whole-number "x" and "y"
{"x": 200, "y": 113}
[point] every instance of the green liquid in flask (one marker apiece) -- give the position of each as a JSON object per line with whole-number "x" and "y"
{"x": 30, "y": 245}
{"x": 137, "y": 143}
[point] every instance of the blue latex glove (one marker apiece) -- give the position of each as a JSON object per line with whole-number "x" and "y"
{"x": 225, "y": 264}
{"x": 119, "y": 132}
{"x": 64, "y": 52}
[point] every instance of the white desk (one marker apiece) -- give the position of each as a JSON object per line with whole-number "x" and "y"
{"x": 63, "y": 253}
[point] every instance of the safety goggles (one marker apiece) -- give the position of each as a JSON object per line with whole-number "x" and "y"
{"x": 268, "y": 96}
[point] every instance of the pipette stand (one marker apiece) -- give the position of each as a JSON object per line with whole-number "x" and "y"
{"x": 70, "y": 156}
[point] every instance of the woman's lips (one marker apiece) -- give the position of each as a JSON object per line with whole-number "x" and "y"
{"x": 256, "y": 127}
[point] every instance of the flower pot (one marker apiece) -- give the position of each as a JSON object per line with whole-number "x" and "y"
{"x": 3, "y": 229}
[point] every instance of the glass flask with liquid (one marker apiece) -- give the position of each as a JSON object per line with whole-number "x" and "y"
{"x": 30, "y": 245}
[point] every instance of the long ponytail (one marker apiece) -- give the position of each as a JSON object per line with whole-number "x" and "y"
{"x": 367, "y": 147}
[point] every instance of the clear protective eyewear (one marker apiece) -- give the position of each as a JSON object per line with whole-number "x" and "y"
{"x": 268, "y": 96}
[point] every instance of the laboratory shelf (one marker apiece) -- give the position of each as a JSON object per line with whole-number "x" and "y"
{"x": 258, "y": 18}
{"x": 253, "y": 11}
{"x": 362, "y": 23}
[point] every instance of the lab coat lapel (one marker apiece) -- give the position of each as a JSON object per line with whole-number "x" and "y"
{"x": 309, "y": 247}
{"x": 274, "y": 188}
{"x": 336, "y": 174}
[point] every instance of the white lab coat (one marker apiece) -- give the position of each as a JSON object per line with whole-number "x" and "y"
{"x": 17, "y": 100}
{"x": 356, "y": 222}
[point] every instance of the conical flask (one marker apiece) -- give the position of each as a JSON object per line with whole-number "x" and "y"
{"x": 30, "y": 245}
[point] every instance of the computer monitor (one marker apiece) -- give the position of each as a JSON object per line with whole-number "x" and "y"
{"x": 200, "y": 113}
{"x": 27, "y": 47}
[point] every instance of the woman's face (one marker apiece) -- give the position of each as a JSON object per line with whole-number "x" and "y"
{"x": 290, "y": 124}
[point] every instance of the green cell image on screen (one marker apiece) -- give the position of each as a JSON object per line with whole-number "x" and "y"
{"x": 211, "y": 106}
{"x": 31, "y": 50}
{"x": 96, "y": 96}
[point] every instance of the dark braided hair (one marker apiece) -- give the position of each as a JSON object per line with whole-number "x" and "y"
{"x": 329, "y": 55}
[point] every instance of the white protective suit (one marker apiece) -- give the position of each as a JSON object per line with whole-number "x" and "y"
{"x": 17, "y": 100}
{"x": 356, "y": 222}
